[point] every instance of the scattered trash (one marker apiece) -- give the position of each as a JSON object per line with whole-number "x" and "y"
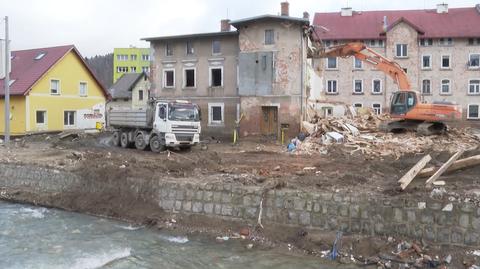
{"x": 438, "y": 193}
{"x": 122, "y": 166}
{"x": 245, "y": 231}
{"x": 439, "y": 183}
{"x": 448, "y": 259}
{"x": 249, "y": 246}
{"x": 276, "y": 168}
{"x": 448, "y": 207}
{"x": 336, "y": 246}
{"x": 291, "y": 147}
{"x": 222, "y": 238}
{"x": 422, "y": 205}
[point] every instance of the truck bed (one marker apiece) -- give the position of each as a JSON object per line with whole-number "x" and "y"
{"x": 136, "y": 118}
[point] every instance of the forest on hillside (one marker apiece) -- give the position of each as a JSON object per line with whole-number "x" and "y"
{"x": 102, "y": 67}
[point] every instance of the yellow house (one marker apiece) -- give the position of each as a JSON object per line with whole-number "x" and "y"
{"x": 52, "y": 89}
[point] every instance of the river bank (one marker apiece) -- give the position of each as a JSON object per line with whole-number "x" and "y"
{"x": 377, "y": 226}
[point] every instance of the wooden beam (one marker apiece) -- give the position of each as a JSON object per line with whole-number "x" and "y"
{"x": 457, "y": 165}
{"x": 443, "y": 168}
{"x": 410, "y": 175}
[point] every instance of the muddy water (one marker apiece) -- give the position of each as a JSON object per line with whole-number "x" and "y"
{"x": 35, "y": 237}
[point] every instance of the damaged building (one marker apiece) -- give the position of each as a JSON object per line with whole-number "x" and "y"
{"x": 254, "y": 75}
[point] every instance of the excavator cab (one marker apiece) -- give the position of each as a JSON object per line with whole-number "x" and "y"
{"x": 402, "y": 102}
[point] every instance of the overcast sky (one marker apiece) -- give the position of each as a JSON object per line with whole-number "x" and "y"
{"x": 97, "y": 26}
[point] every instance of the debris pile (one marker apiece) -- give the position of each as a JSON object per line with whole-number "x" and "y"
{"x": 361, "y": 133}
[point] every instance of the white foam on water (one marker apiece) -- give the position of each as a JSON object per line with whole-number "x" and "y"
{"x": 175, "y": 239}
{"x": 37, "y": 213}
{"x": 93, "y": 261}
{"x": 129, "y": 227}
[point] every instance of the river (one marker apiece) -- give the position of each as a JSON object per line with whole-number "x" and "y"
{"x": 36, "y": 237}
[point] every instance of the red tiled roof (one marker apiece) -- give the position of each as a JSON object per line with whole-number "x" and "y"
{"x": 26, "y": 71}
{"x": 458, "y": 22}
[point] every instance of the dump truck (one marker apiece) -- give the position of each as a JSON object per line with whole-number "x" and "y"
{"x": 160, "y": 125}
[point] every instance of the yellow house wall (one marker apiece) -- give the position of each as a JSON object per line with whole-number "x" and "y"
{"x": 70, "y": 71}
{"x": 17, "y": 115}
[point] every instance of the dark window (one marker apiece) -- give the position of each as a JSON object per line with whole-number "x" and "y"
{"x": 69, "y": 118}
{"x": 216, "y": 47}
{"x": 377, "y": 86}
{"x": 332, "y": 62}
{"x": 401, "y": 50}
{"x": 216, "y": 113}
{"x": 426, "y": 61}
{"x": 162, "y": 112}
{"x": 426, "y": 87}
{"x": 190, "y": 78}
{"x": 269, "y": 37}
{"x": 190, "y": 49}
{"x": 168, "y": 50}
{"x": 473, "y": 111}
{"x": 169, "y": 78}
{"x": 216, "y": 76}
{"x": 445, "y": 61}
{"x": 140, "y": 95}
{"x": 41, "y": 115}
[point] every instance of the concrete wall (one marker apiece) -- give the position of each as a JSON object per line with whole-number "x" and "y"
{"x": 459, "y": 74}
{"x": 202, "y": 60}
{"x": 368, "y": 214}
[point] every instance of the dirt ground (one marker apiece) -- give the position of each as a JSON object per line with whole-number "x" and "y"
{"x": 251, "y": 162}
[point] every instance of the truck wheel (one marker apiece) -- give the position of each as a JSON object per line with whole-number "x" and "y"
{"x": 140, "y": 142}
{"x": 116, "y": 139}
{"x": 124, "y": 140}
{"x": 156, "y": 144}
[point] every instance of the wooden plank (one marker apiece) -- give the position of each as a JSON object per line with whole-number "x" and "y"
{"x": 443, "y": 168}
{"x": 410, "y": 175}
{"x": 457, "y": 165}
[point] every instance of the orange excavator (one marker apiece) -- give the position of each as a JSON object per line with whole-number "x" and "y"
{"x": 406, "y": 105}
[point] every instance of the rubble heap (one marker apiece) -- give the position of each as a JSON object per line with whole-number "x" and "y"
{"x": 360, "y": 133}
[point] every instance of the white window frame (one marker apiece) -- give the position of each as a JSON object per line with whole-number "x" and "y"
{"x": 210, "y": 114}
{"x": 425, "y": 44}
{"x": 375, "y": 109}
{"x": 403, "y": 52}
{"x": 355, "y": 61}
{"x": 421, "y": 88}
{"x": 449, "y": 61}
{"x": 146, "y": 57}
{"x": 146, "y": 69}
{"x": 478, "y": 111}
{"x": 80, "y": 89}
{"x": 184, "y": 85}
{"x": 469, "y": 59}
{"x": 440, "y": 43}
{"x": 74, "y": 119}
{"x": 122, "y": 69}
{"x": 165, "y": 86}
{"x": 449, "y": 86}
{"x": 59, "y": 90}
{"x": 363, "y": 90}
{"x": 336, "y": 87}
{"x": 331, "y": 68}
{"x": 133, "y": 69}
{"x": 210, "y": 78}
{"x": 430, "y": 61}
{"x": 45, "y": 118}
{"x": 475, "y": 92}
{"x": 373, "y": 86}
{"x": 133, "y": 57}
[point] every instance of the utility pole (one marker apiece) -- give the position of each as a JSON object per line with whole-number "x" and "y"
{"x": 7, "y": 86}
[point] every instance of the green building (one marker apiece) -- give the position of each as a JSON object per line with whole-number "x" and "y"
{"x": 130, "y": 60}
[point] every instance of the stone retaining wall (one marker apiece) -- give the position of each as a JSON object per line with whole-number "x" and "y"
{"x": 439, "y": 221}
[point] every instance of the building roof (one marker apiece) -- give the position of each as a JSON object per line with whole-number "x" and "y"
{"x": 188, "y": 36}
{"x": 457, "y": 23}
{"x": 269, "y": 17}
{"x": 122, "y": 89}
{"x": 29, "y": 66}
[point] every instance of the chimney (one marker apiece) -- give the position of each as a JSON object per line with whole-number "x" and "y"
{"x": 346, "y": 12}
{"x": 306, "y": 15}
{"x": 477, "y": 6}
{"x": 442, "y": 8}
{"x": 284, "y": 8}
{"x": 225, "y": 25}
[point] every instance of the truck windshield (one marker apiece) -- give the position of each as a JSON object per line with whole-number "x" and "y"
{"x": 183, "y": 112}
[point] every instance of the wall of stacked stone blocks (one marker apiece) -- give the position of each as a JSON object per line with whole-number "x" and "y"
{"x": 435, "y": 220}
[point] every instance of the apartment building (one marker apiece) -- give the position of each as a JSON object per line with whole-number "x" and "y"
{"x": 130, "y": 60}
{"x": 256, "y": 71}
{"x": 438, "y": 48}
